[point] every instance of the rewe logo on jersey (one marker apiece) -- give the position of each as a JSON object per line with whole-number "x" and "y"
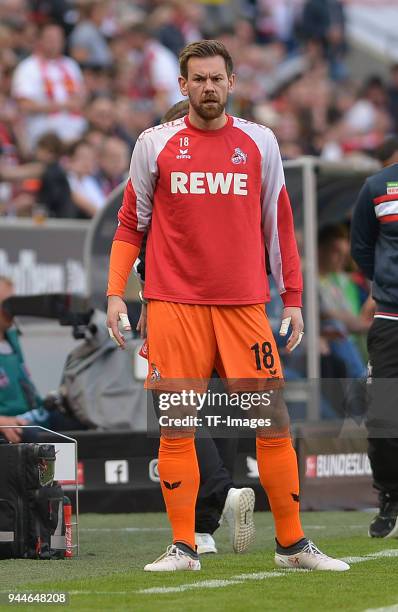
{"x": 209, "y": 182}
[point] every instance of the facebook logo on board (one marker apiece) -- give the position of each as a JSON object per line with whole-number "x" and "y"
{"x": 116, "y": 472}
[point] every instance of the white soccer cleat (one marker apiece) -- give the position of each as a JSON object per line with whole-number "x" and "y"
{"x": 205, "y": 544}
{"x": 173, "y": 560}
{"x": 238, "y": 513}
{"x": 309, "y": 557}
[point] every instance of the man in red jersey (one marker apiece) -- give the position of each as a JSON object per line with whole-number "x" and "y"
{"x": 209, "y": 189}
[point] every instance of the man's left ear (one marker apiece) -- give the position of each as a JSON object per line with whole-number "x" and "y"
{"x": 231, "y": 82}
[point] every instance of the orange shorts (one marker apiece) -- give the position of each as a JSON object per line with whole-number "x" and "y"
{"x": 187, "y": 342}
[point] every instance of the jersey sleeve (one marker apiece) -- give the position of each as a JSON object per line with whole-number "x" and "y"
{"x": 364, "y": 230}
{"x": 278, "y": 228}
{"x": 135, "y": 213}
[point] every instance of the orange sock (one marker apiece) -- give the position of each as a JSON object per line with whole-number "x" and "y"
{"x": 277, "y": 466}
{"x": 179, "y": 479}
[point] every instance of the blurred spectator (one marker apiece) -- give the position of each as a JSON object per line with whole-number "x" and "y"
{"x": 8, "y": 57}
{"x": 49, "y": 89}
{"x": 289, "y": 57}
{"x": 87, "y": 44}
{"x": 276, "y": 20}
{"x": 157, "y": 69}
{"x": 361, "y": 117}
{"x": 97, "y": 81}
{"x": 339, "y": 302}
{"x": 82, "y": 167}
{"x": 53, "y": 11}
{"x": 133, "y": 117}
{"x": 323, "y": 22}
{"x": 20, "y": 402}
{"x": 176, "y": 23}
{"x": 43, "y": 180}
{"x": 24, "y": 38}
{"x": 190, "y": 17}
{"x": 95, "y": 138}
{"x": 114, "y": 160}
{"x": 102, "y": 116}
{"x": 164, "y": 23}
{"x": 54, "y": 191}
{"x": 14, "y": 12}
{"x": 393, "y": 95}
{"x": 219, "y": 14}
{"x": 18, "y": 395}
{"x": 367, "y": 120}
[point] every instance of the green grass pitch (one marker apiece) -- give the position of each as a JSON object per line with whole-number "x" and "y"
{"x": 108, "y": 574}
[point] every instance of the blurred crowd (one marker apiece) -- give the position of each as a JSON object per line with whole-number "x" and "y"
{"x": 346, "y": 311}
{"x": 80, "y": 79}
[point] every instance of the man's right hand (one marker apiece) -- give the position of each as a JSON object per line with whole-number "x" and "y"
{"x": 12, "y": 434}
{"x": 117, "y": 310}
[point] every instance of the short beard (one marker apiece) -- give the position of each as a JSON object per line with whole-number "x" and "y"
{"x": 208, "y": 112}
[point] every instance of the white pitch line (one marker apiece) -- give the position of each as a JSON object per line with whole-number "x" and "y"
{"x": 385, "y": 553}
{"x": 131, "y": 529}
{"x": 241, "y": 578}
{"x": 371, "y": 556}
{"x": 355, "y": 559}
{"x": 213, "y": 584}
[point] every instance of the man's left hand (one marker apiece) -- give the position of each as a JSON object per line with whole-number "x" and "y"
{"x": 292, "y": 316}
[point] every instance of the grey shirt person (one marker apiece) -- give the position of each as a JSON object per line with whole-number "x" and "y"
{"x": 87, "y": 36}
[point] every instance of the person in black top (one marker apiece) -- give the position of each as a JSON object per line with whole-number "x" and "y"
{"x": 374, "y": 247}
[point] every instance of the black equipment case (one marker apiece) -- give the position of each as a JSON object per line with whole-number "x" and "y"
{"x": 32, "y": 522}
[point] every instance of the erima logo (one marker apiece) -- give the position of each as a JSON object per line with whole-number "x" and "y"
{"x": 209, "y": 182}
{"x": 296, "y": 497}
{"x": 172, "y": 485}
{"x": 183, "y": 154}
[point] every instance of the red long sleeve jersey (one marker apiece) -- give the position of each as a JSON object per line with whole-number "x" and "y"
{"x": 214, "y": 202}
